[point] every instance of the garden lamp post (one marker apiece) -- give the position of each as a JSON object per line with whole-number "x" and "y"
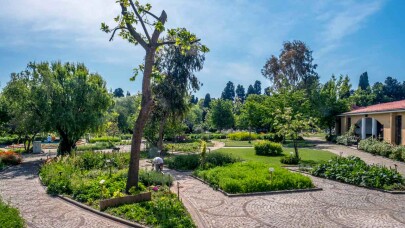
{"x": 271, "y": 171}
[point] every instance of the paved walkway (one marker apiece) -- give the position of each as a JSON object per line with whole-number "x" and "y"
{"x": 338, "y": 205}
{"x": 20, "y": 186}
{"x": 347, "y": 151}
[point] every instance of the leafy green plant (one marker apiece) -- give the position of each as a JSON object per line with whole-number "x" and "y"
{"x": 10, "y": 217}
{"x": 155, "y": 178}
{"x": 382, "y": 148}
{"x": 355, "y": 171}
{"x": 263, "y": 147}
{"x": 105, "y": 139}
{"x": 242, "y": 136}
{"x": 290, "y": 160}
{"x": 216, "y": 158}
{"x": 246, "y": 177}
{"x": 96, "y": 146}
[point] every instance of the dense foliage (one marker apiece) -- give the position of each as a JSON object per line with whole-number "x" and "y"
{"x": 249, "y": 177}
{"x": 9, "y": 216}
{"x": 194, "y": 161}
{"x": 105, "y": 139}
{"x": 353, "y": 170}
{"x": 268, "y": 148}
{"x": 381, "y": 148}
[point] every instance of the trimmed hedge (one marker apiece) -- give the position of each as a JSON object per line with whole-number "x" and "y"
{"x": 382, "y": 148}
{"x": 242, "y": 136}
{"x": 263, "y": 147}
{"x": 105, "y": 139}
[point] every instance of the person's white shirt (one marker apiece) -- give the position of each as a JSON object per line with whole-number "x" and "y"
{"x": 157, "y": 160}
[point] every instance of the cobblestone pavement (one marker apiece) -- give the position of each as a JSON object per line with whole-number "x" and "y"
{"x": 348, "y": 151}
{"x": 19, "y": 185}
{"x": 338, "y": 205}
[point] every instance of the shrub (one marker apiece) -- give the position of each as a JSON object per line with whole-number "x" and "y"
{"x": 105, "y": 139}
{"x": 183, "y": 162}
{"x": 183, "y": 147}
{"x": 10, "y": 217}
{"x": 355, "y": 171}
{"x": 382, "y": 148}
{"x": 331, "y": 138}
{"x": 270, "y": 137}
{"x": 242, "y": 136}
{"x": 246, "y": 177}
{"x": 8, "y": 140}
{"x": 96, "y": 146}
{"x": 10, "y": 158}
{"x": 290, "y": 160}
{"x": 263, "y": 147}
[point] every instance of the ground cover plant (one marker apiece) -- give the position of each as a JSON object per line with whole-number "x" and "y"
{"x": 10, "y": 217}
{"x": 382, "y": 148}
{"x": 185, "y": 147}
{"x": 242, "y": 136}
{"x": 95, "y": 146}
{"x": 232, "y": 143}
{"x": 89, "y": 177}
{"x": 248, "y": 177}
{"x": 105, "y": 139}
{"x": 268, "y": 148}
{"x": 353, "y": 170}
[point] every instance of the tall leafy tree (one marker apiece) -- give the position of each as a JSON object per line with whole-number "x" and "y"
{"x": 171, "y": 93}
{"x": 240, "y": 93}
{"x": 379, "y": 95}
{"x": 221, "y": 115}
{"x": 393, "y": 89}
{"x": 345, "y": 87}
{"x": 229, "y": 92}
{"x": 128, "y": 94}
{"x": 258, "y": 87}
{"x": 363, "y": 81}
{"x": 132, "y": 24}
{"x": 66, "y": 98}
{"x": 293, "y": 68}
{"x": 118, "y": 92}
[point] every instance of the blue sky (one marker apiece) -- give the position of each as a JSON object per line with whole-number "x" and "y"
{"x": 347, "y": 37}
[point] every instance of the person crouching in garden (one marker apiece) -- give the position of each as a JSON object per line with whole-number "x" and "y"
{"x": 158, "y": 164}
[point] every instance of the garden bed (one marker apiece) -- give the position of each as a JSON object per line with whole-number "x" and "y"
{"x": 353, "y": 170}
{"x": 250, "y": 178}
{"x": 91, "y": 177}
{"x": 10, "y": 216}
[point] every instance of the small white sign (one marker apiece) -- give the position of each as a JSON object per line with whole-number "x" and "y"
{"x": 271, "y": 169}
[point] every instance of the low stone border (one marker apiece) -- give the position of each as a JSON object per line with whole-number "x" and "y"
{"x": 369, "y": 188}
{"x": 260, "y": 193}
{"x": 100, "y": 213}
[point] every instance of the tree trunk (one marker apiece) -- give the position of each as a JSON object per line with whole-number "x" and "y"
{"x": 295, "y": 148}
{"x": 161, "y": 131}
{"x": 146, "y": 107}
{"x": 65, "y": 144}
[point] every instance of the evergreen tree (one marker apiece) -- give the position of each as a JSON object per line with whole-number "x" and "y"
{"x": 240, "y": 93}
{"x": 267, "y": 91}
{"x": 363, "y": 82}
{"x": 250, "y": 90}
{"x": 229, "y": 92}
{"x": 258, "y": 87}
{"x": 118, "y": 92}
{"x": 207, "y": 100}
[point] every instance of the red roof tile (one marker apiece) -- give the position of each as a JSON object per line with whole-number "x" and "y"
{"x": 390, "y": 106}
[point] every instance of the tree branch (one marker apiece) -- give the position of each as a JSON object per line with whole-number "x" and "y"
{"x": 151, "y": 14}
{"x": 115, "y": 29}
{"x": 132, "y": 30}
{"x": 156, "y": 33}
{"x": 140, "y": 19}
{"x": 174, "y": 42}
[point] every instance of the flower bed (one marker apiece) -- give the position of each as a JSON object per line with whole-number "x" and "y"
{"x": 353, "y": 170}
{"x": 90, "y": 177}
{"x": 10, "y": 158}
{"x": 248, "y": 177}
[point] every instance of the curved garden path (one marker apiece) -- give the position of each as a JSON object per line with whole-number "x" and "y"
{"x": 338, "y": 205}
{"x": 20, "y": 186}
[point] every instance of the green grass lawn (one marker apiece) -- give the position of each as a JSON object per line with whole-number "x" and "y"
{"x": 248, "y": 154}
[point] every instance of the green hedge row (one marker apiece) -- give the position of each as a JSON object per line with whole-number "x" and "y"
{"x": 263, "y": 147}
{"x": 382, "y": 148}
